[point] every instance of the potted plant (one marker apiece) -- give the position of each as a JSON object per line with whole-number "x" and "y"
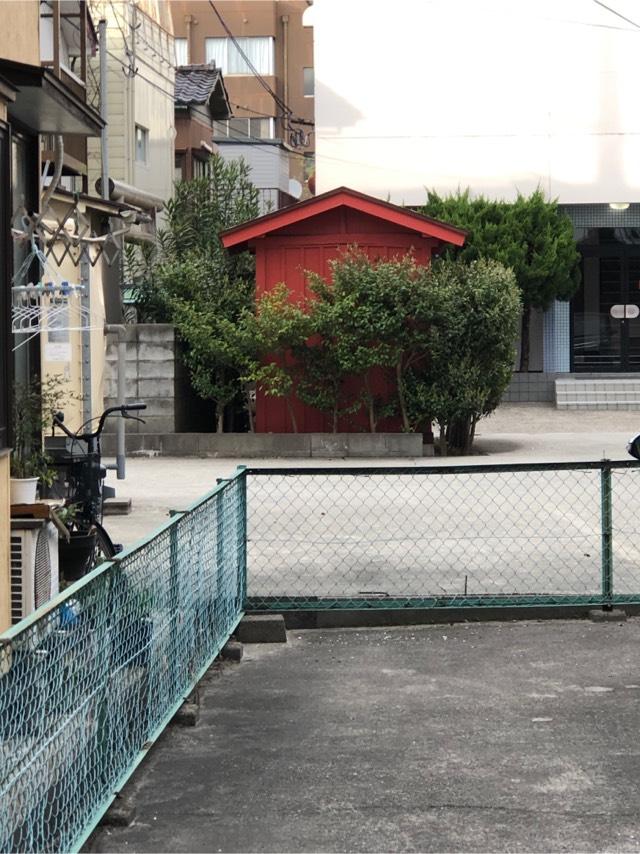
{"x": 29, "y": 462}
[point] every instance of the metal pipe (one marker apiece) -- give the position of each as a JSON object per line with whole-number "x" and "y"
{"x": 104, "y": 139}
{"x": 118, "y": 191}
{"x": 120, "y": 331}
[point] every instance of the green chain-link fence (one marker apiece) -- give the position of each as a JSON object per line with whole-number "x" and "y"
{"x": 89, "y": 681}
{"x": 450, "y": 537}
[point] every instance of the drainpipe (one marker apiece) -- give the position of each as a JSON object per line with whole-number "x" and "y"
{"x": 189, "y": 21}
{"x": 104, "y": 138}
{"x": 120, "y": 331}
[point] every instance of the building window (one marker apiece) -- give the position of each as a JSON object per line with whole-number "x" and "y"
{"x": 309, "y": 82}
{"x": 200, "y": 168}
{"x": 251, "y": 128}
{"x": 181, "y": 51}
{"x": 228, "y": 57}
{"x": 142, "y": 144}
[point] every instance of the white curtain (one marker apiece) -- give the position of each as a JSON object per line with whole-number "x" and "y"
{"x": 226, "y": 55}
{"x": 216, "y": 51}
{"x": 182, "y": 54}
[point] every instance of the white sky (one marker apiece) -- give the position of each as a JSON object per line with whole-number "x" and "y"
{"x": 496, "y": 95}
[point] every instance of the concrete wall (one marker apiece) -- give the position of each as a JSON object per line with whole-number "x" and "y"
{"x": 274, "y": 445}
{"x": 499, "y": 96}
{"x": 151, "y": 376}
{"x": 19, "y": 33}
{"x": 5, "y": 557}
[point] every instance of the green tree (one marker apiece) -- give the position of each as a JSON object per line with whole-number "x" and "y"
{"x": 191, "y": 281}
{"x": 206, "y": 306}
{"x": 472, "y": 312}
{"x": 276, "y": 329}
{"x": 530, "y": 235}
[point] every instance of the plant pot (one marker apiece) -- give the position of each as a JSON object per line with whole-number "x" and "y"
{"x": 76, "y": 556}
{"x": 23, "y": 490}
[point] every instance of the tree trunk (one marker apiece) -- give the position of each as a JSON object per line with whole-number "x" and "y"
{"x": 459, "y": 435}
{"x": 442, "y": 439}
{"x": 524, "y": 339}
{"x": 335, "y": 419}
{"x": 219, "y": 418}
{"x": 250, "y": 413}
{"x": 292, "y": 415}
{"x": 401, "y": 398}
{"x": 370, "y": 405}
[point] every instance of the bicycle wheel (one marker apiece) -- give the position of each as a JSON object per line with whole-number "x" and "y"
{"x": 104, "y": 548}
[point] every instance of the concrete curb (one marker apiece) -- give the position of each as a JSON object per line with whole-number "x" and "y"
{"x": 273, "y": 445}
{"x": 434, "y": 616}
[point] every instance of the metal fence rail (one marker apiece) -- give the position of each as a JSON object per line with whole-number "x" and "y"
{"x": 447, "y": 537}
{"x": 89, "y": 681}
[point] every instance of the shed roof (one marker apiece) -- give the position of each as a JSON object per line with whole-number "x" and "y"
{"x": 202, "y": 85}
{"x": 343, "y": 196}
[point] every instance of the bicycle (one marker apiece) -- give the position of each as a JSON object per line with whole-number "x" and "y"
{"x": 88, "y": 543}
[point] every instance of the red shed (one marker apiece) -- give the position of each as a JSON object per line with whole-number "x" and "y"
{"x": 308, "y": 235}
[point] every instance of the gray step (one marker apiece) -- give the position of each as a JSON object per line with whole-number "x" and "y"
{"x": 576, "y": 393}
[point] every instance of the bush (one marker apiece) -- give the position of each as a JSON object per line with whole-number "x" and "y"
{"x": 473, "y": 312}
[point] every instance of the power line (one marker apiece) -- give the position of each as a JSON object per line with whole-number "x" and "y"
{"x": 288, "y": 112}
{"x": 616, "y": 13}
{"x": 250, "y": 65}
{"x": 270, "y": 115}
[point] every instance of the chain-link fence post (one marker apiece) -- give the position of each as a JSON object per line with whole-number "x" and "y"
{"x": 606, "y": 522}
{"x": 242, "y": 537}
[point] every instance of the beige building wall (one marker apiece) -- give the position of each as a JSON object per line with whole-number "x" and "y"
{"x": 145, "y": 98}
{"x": 20, "y": 21}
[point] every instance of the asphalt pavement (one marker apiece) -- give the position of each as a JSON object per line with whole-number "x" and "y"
{"x": 470, "y": 737}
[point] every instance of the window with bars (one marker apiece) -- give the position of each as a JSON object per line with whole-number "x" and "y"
{"x": 228, "y": 55}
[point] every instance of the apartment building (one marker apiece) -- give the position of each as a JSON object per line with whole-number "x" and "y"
{"x": 264, "y": 49}
{"x": 529, "y": 95}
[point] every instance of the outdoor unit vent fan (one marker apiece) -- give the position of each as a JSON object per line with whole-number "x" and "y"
{"x": 34, "y": 569}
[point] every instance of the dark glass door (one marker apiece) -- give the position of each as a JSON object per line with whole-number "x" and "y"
{"x": 606, "y": 310}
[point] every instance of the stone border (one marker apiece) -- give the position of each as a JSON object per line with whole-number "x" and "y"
{"x": 272, "y": 445}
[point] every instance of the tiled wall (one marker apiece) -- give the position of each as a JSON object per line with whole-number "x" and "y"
{"x": 532, "y": 387}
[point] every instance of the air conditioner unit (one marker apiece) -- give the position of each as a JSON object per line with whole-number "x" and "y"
{"x": 34, "y": 565}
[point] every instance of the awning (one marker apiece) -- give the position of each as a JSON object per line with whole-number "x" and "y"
{"x": 44, "y": 104}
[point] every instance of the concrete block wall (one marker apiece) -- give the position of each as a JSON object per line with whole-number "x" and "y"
{"x": 151, "y": 376}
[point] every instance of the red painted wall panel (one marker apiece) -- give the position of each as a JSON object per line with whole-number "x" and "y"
{"x": 311, "y": 245}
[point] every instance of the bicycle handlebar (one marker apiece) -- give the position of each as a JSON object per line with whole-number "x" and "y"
{"x": 127, "y": 407}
